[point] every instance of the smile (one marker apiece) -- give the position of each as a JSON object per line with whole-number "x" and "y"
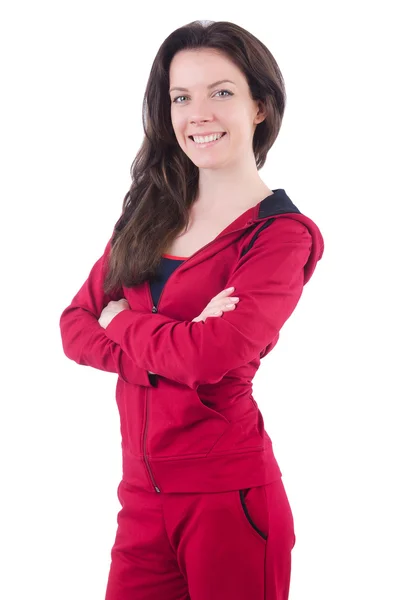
{"x": 206, "y": 144}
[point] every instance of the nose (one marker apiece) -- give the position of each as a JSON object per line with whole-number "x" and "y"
{"x": 201, "y": 112}
{"x": 199, "y": 121}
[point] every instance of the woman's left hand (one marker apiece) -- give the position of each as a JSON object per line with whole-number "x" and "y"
{"x": 111, "y": 310}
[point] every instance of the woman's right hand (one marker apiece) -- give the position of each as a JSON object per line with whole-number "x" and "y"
{"x": 218, "y": 305}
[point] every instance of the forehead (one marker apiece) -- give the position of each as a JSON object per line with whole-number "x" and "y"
{"x": 195, "y": 68}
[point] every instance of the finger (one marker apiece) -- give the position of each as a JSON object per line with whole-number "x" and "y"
{"x": 220, "y": 303}
{"x": 218, "y": 308}
{"x": 225, "y": 292}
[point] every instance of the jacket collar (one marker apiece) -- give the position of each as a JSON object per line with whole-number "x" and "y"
{"x": 276, "y": 204}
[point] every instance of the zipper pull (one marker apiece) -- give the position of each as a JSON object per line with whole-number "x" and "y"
{"x": 154, "y": 309}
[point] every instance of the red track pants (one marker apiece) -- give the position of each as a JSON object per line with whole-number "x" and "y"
{"x": 233, "y": 545}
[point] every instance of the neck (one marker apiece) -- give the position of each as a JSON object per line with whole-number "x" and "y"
{"x": 235, "y": 188}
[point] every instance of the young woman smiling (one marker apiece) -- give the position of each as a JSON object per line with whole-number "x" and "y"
{"x": 204, "y": 511}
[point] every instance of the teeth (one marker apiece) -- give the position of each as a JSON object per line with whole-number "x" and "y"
{"x": 207, "y": 138}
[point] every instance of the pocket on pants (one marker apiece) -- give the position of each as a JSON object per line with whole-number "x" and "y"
{"x": 253, "y": 507}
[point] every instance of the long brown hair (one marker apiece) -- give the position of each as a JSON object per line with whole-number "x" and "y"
{"x": 164, "y": 180}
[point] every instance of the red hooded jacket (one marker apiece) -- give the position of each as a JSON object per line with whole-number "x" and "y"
{"x": 195, "y": 426}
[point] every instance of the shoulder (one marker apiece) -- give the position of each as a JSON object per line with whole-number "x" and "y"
{"x": 284, "y": 228}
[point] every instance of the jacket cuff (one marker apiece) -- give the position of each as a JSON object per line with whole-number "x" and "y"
{"x": 116, "y": 328}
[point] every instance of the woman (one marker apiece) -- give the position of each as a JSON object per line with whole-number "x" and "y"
{"x": 204, "y": 510}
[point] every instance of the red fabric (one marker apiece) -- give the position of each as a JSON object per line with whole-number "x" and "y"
{"x": 269, "y": 282}
{"x": 224, "y": 546}
{"x": 85, "y": 341}
{"x": 200, "y": 429}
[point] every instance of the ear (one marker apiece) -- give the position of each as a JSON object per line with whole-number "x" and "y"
{"x": 261, "y": 113}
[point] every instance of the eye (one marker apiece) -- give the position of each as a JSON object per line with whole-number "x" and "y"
{"x": 177, "y": 97}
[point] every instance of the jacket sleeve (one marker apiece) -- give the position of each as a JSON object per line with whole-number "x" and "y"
{"x": 84, "y": 339}
{"x": 269, "y": 281}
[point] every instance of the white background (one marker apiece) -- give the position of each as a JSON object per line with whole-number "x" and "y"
{"x": 73, "y": 76}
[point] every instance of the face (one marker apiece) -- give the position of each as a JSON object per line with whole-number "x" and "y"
{"x": 223, "y": 108}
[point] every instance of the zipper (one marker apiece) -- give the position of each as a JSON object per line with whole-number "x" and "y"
{"x": 155, "y": 310}
{"x": 154, "y": 307}
{"x": 156, "y": 487}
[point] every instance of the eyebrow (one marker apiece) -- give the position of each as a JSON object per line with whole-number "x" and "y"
{"x": 208, "y": 86}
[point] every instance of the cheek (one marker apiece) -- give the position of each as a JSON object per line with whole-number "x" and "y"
{"x": 176, "y": 118}
{"x": 179, "y": 129}
{"x": 234, "y": 122}
{"x": 241, "y": 128}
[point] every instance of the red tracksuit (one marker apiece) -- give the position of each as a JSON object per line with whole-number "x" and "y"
{"x": 204, "y": 513}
